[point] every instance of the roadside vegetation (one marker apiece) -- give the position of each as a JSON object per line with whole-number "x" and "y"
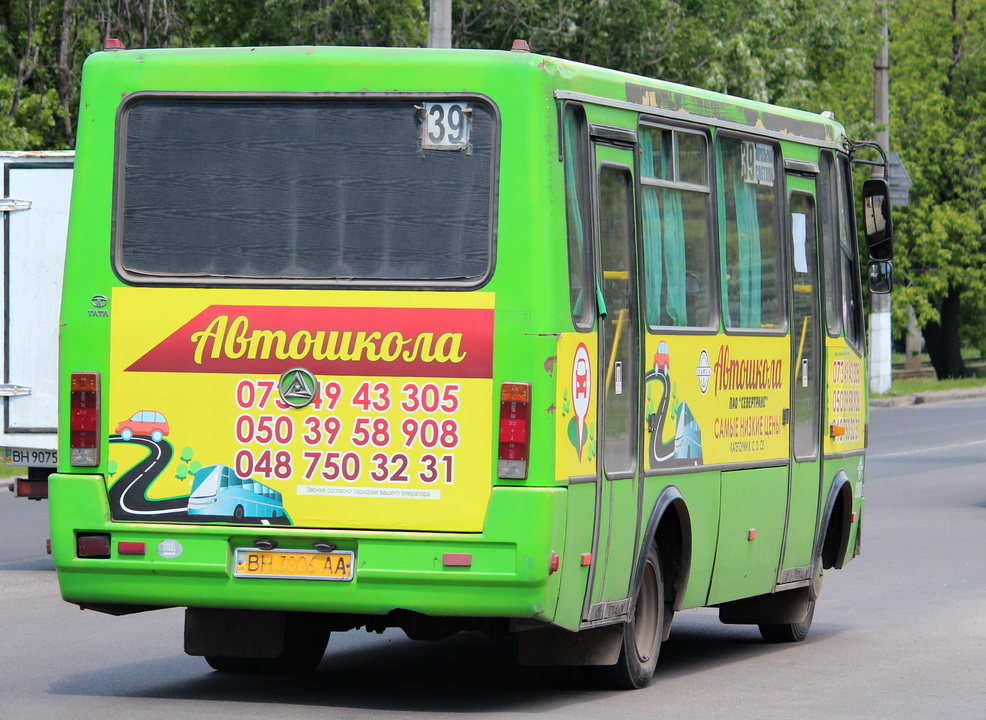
{"x": 910, "y": 382}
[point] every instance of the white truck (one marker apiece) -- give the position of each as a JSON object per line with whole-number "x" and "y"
{"x": 34, "y": 206}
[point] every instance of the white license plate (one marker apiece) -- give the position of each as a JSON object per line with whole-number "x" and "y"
{"x": 31, "y": 458}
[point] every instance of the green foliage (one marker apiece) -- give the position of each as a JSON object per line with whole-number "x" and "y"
{"x": 793, "y": 52}
{"x": 307, "y": 22}
{"x": 815, "y": 55}
{"x": 939, "y": 122}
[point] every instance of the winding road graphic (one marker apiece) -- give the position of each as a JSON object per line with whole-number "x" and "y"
{"x": 660, "y": 451}
{"x": 685, "y": 448}
{"x": 128, "y": 495}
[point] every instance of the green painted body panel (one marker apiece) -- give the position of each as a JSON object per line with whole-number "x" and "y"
{"x": 508, "y": 577}
{"x": 578, "y": 542}
{"x": 751, "y": 531}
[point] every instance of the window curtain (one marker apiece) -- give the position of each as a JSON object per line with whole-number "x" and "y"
{"x": 654, "y": 266}
{"x": 674, "y": 249}
{"x": 746, "y": 241}
{"x": 664, "y": 240}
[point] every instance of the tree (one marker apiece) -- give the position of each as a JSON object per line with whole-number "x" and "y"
{"x": 31, "y": 112}
{"x": 43, "y": 44}
{"x": 789, "y": 52}
{"x": 307, "y": 22}
{"x": 938, "y": 116}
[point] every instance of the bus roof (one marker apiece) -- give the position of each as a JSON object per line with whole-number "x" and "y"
{"x": 401, "y": 70}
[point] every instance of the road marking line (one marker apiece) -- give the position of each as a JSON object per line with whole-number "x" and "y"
{"x": 925, "y": 451}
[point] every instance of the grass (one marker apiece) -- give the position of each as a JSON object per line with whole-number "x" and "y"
{"x": 909, "y": 383}
{"x": 9, "y": 471}
{"x": 903, "y": 386}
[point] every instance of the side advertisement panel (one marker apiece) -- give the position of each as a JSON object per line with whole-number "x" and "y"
{"x": 715, "y": 400}
{"x": 576, "y": 404}
{"x": 845, "y": 398}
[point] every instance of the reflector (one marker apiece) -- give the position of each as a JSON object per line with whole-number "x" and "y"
{"x": 93, "y": 546}
{"x": 125, "y": 547}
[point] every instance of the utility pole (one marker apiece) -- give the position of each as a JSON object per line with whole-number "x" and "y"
{"x": 880, "y": 324}
{"x": 440, "y": 24}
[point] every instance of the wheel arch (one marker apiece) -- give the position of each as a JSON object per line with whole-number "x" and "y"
{"x": 669, "y": 525}
{"x": 836, "y": 526}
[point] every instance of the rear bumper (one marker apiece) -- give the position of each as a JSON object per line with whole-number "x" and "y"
{"x": 191, "y": 565}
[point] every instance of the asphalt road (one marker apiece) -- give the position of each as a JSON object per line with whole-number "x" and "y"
{"x": 899, "y": 633}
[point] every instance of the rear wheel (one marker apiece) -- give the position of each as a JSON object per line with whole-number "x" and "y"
{"x": 789, "y": 632}
{"x": 641, "y": 633}
{"x": 303, "y": 650}
{"x": 796, "y": 632}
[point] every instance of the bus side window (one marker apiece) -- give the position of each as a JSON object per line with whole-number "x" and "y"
{"x": 578, "y": 213}
{"x": 831, "y": 266}
{"x": 677, "y": 238}
{"x": 852, "y": 300}
{"x": 843, "y": 291}
{"x": 750, "y": 232}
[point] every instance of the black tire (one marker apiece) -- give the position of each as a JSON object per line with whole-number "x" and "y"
{"x": 789, "y": 632}
{"x": 642, "y": 633}
{"x": 232, "y": 664}
{"x": 303, "y": 650}
{"x": 796, "y": 632}
{"x": 238, "y": 513}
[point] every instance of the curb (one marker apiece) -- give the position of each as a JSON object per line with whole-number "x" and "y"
{"x": 928, "y": 397}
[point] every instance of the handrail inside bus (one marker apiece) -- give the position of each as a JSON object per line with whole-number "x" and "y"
{"x": 621, "y": 321}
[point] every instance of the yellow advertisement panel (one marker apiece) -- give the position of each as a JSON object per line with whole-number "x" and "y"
{"x": 846, "y": 398}
{"x": 707, "y": 400}
{"x": 576, "y": 406}
{"x": 720, "y": 399}
{"x": 311, "y": 408}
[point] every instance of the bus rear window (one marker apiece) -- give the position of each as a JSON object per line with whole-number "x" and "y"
{"x": 309, "y": 190}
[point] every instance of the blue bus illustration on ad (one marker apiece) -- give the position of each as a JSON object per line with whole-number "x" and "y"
{"x": 218, "y": 490}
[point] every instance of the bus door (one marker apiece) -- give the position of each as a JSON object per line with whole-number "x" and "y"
{"x": 806, "y": 383}
{"x": 617, "y": 516}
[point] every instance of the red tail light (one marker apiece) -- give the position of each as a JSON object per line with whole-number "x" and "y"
{"x": 515, "y": 425}
{"x": 84, "y": 420}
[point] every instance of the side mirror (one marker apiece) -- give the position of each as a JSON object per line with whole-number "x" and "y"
{"x": 877, "y": 221}
{"x": 881, "y": 277}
